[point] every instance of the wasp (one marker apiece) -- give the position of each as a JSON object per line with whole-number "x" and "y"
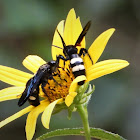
{"x": 44, "y": 73}
{"x": 71, "y": 53}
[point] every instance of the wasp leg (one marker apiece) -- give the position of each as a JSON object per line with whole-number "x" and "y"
{"x": 51, "y": 78}
{"x": 84, "y": 51}
{"x": 63, "y": 58}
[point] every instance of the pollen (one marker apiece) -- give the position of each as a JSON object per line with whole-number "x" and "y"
{"x": 59, "y": 86}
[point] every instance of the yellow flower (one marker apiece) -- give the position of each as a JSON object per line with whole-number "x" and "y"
{"x": 70, "y": 32}
{"x": 18, "y": 79}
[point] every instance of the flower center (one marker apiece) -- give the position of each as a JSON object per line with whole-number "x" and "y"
{"x": 59, "y": 87}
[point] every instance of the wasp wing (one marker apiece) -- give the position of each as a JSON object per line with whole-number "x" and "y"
{"x": 32, "y": 89}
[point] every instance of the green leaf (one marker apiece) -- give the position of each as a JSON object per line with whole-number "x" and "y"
{"x": 95, "y": 133}
{"x": 104, "y": 135}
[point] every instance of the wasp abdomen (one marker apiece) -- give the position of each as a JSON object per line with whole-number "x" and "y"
{"x": 77, "y": 66}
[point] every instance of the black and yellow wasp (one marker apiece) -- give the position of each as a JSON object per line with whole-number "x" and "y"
{"x": 71, "y": 53}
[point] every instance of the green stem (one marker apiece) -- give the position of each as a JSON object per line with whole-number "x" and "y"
{"x": 84, "y": 116}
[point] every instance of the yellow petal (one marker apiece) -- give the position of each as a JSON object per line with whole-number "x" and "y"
{"x": 70, "y": 26}
{"x": 33, "y": 62}
{"x": 13, "y": 76}
{"x": 72, "y": 90}
{"x": 16, "y": 115}
{"x": 48, "y": 112}
{"x": 105, "y": 67}
{"x": 11, "y": 93}
{"x": 74, "y": 84}
{"x": 98, "y": 46}
{"x": 70, "y": 97}
{"x": 57, "y": 41}
{"x": 32, "y": 118}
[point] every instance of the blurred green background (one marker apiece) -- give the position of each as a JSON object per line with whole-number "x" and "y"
{"x": 27, "y": 27}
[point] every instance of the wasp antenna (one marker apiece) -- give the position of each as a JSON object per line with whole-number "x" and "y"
{"x": 83, "y": 33}
{"x": 57, "y": 46}
{"x": 64, "y": 45}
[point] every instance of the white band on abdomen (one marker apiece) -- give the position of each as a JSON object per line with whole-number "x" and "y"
{"x": 74, "y": 60}
{"x": 77, "y": 68}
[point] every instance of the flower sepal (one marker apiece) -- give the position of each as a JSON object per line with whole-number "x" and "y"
{"x": 81, "y": 93}
{"x": 84, "y": 94}
{"x": 82, "y": 89}
{"x": 71, "y": 109}
{"x": 87, "y": 96}
{"x": 59, "y": 107}
{"x": 82, "y": 97}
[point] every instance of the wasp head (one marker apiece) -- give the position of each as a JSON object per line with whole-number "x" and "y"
{"x": 52, "y": 66}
